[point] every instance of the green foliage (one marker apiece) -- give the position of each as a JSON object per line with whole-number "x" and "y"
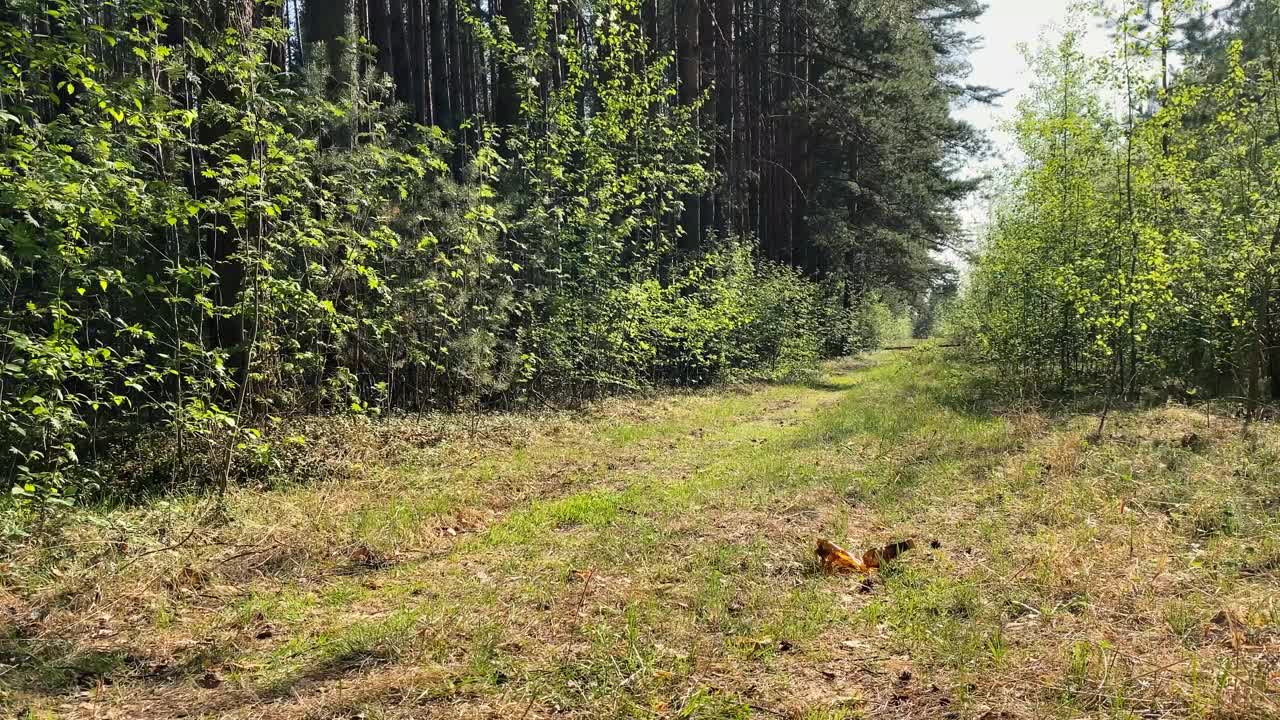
{"x": 203, "y": 267}
{"x": 202, "y": 244}
{"x": 219, "y": 218}
{"x": 784, "y": 331}
{"x": 1137, "y": 247}
{"x": 886, "y": 146}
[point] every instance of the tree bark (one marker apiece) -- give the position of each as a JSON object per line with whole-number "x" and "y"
{"x": 417, "y": 36}
{"x": 689, "y": 58}
{"x": 441, "y": 101}
{"x": 401, "y": 61}
{"x": 457, "y": 99}
{"x": 323, "y": 23}
{"x": 726, "y": 94}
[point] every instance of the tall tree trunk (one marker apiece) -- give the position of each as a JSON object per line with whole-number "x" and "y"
{"x": 221, "y": 241}
{"x": 417, "y": 35}
{"x": 726, "y": 94}
{"x": 752, "y": 114}
{"x": 457, "y": 58}
{"x": 783, "y": 185}
{"x": 380, "y": 35}
{"x": 441, "y": 100}
{"x": 803, "y": 156}
{"x": 401, "y": 57}
{"x": 470, "y": 96}
{"x": 324, "y": 22}
{"x": 689, "y": 57}
{"x": 649, "y": 15}
{"x": 279, "y": 52}
{"x": 324, "y": 25}
{"x": 707, "y": 43}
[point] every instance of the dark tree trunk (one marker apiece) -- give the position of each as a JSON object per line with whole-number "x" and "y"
{"x": 726, "y": 92}
{"x": 380, "y": 34}
{"x": 323, "y": 27}
{"x": 457, "y": 58}
{"x": 324, "y": 23}
{"x": 708, "y": 41}
{"x": 279, "y": 52}
{"x": 689, "y": 57}
{"x": 401, "y": 65}
{"x": 649, "y": 18}
{"x": 222, "y": 242}
{"x": 470, "y": 95}
{"x": 417, "y": 33}
{"x": 441, "y": 101}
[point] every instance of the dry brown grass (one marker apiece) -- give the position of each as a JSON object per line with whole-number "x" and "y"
{"x": 653, "y": 558}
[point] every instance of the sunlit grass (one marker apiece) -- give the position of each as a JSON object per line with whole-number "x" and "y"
{"x": 655, "y": 559}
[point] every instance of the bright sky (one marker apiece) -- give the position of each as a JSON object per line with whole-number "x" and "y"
{"x": 1007, "y": 27}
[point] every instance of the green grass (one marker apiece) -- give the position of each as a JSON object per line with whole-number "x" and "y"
{"x": 653, "y": 558}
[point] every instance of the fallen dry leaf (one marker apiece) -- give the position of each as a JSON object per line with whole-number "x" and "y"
{"x": 364, "y": 555}
{"x": 836, "y": 559}
{"x": 876, "y": 557}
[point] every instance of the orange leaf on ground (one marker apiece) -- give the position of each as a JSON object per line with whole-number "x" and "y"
{"x": 836, "y": 559}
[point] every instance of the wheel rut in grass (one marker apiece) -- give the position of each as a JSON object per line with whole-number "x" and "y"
{"x": 654, "y": 558}
{"x": 584, "y": 519}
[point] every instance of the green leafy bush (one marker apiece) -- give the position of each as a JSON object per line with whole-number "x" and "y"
{"x": 208, "y": 237}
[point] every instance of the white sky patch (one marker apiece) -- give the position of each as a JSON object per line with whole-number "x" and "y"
{"x": 1005, "y": 30}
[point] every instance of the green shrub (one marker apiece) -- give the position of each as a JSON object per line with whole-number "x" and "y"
{"x": 200, "y": 243}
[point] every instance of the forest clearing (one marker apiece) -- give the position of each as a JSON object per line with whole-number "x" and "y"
{"x": 655, "y": 558}
{"x": 687, "y": 359}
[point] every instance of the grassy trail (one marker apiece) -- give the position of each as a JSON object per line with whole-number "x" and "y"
{"x": 653, "y": 559}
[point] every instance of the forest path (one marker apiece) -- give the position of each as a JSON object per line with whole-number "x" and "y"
{"x": 654, "y": 558}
